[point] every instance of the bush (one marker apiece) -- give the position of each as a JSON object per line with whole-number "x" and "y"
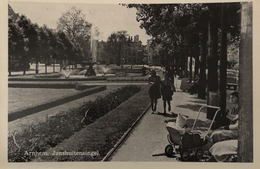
{"x": 127, "y": 78}
{"x": 57, "y": 128}
{"x": 103, "y": 134}
{"x": 52, "y": 75}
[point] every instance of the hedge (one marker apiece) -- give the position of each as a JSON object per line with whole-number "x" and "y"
{"x": 41, "y": 137}
{"x": 101, "y": 136}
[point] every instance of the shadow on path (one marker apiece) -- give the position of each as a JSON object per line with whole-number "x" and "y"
{"x": 172, "y": 115}
{"x": 198, "y": 101}
{"x": 191, "y": 107}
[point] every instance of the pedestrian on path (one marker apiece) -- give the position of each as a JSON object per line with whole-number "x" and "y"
{"x": 171, "y": 74}
{"x": 154, "y": 91}
{"x": 166, "y": 92}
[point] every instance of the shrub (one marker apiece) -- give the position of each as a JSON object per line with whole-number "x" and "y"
{"x": 127, "y": 78}
{"x": 52, "y": 75}
{"x": 103, "y": 134}
{"x": 57, "y": 128}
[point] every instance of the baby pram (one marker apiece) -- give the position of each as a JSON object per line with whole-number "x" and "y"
{"x": 190, "y": 143}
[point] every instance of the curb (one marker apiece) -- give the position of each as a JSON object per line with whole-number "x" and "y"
{"x": 34, "y": 109}
{"x": 122, "y": 139}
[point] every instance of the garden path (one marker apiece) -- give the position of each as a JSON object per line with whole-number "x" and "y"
{"x": 149, "y": 138}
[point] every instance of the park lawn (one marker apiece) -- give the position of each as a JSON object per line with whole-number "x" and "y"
{"x": 20, "y": 98}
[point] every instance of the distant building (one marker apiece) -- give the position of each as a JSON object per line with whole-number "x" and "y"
{"x": 136, "y": 38}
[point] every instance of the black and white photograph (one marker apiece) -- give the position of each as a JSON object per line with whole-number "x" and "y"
{"x": 130, "y": 82}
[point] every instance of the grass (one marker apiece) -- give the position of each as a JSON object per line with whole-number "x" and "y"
{"x": 21, "y": 98}
{"x": 103, "y": 134}
{"x": 42, "y": 136}
{"x": 52, "y": 103}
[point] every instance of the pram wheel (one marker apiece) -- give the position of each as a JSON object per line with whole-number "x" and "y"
{"x": 168, "y": 150}
{"x": 199, "y": 154}
{"x": 185, "y": 155}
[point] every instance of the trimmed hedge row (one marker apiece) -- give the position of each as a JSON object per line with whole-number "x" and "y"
{"x": 43, "y": 85}
{"x": 128, "y": 78}
{"x": 49, "y": 75}
{"x": 53, "y": 85}
{"x": 99, "y": 137}
{"x": 41, "y": 137}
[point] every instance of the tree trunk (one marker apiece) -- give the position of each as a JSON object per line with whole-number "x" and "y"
{"x": 9, "y": 65}
{"x": 213, "y": 62}
{"x": 53, "y": 64}
{"x": 223, "y": 59}
{"x": 45, "y": 65}
{"x": 190, "y": 65}
{"x": 196, "y": 54}
{"x": 61, "y": 64}
{"x": 245, "y": 128}
{"x": 213, "y": 54}
{"x": 24, "y": 65}
{"x": 36, "y": 67}
{"x": 202, "y": 79}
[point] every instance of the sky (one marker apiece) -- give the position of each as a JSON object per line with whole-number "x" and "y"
{"x": 108, "y": 18}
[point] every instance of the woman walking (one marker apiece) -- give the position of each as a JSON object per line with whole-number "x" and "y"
{"x": 166, "y": 92}
{"x": 154, "y": 90}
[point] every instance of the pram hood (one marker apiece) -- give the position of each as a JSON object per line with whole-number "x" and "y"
{"x": 181, "y": 120}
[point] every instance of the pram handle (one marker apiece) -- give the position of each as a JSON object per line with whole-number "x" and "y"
{"x": 207, "y": 106}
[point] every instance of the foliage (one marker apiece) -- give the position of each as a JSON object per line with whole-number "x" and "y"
{"x": 116, "y": 42}
{"x": 29, "y": 42}
{"x": 233, "y": 52}
{"x": 104, "y": 133}
{"x": 60, "y": 127}
{"x": 177, "y": 26}
{"x": 76, "y": 28}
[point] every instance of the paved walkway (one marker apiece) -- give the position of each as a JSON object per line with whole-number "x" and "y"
{"x": 149, "y": 138}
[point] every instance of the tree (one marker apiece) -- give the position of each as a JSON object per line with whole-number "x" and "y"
{"x": 66, "y": 47}
{"x": 245, "y": 128}
{"x": 44, "y": 46}
{"x": 30, "y": 40}
{"x": 16, "y": 42}
{"x": 175, "y": 26}
{"x": 76, "y": 28}
{"x": 116, "y": 43}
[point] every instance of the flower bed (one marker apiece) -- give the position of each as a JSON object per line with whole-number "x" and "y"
{"x": 41, "y": 137}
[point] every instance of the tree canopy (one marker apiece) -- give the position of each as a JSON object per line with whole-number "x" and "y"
{"x": 116, "y": 43}
{"x": 75, "y": 27}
